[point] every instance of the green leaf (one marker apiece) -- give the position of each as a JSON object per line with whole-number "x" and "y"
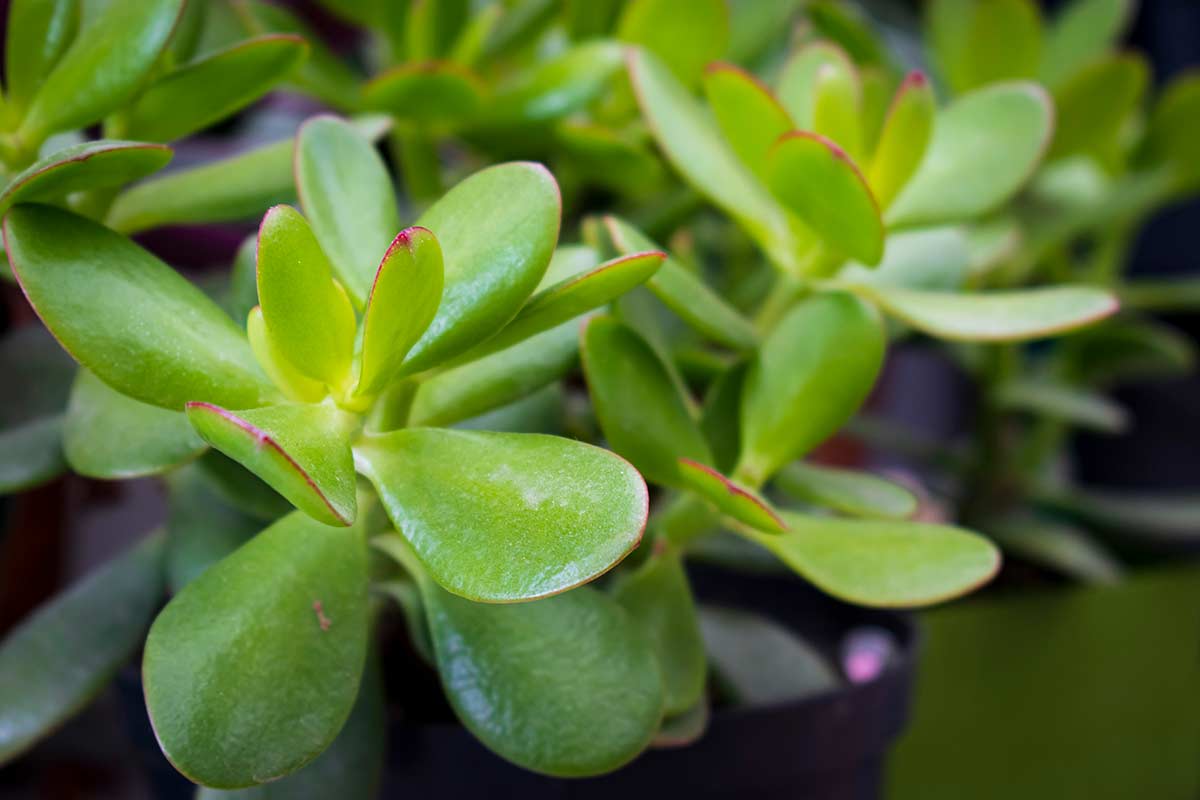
{"x": 202, "y": 527}
{"x": 403, "y": 301}
{"x": 684, "y": 728}
{"x": 985, "y": 146}
{"x": 108, "y": 435}
{"x": 1174, "y": 117}
{"x": 554, "y": 88}
{"x": 1066, "y": 403}
{"x": 497, "y": 230}
{"x": 128, "y": 317}
{"x": 730, "y": 497}
{"x": 90, "y": 165}
{"x": 348, "y": 198}
{"x": 642, "y": 414}
{"x": 1062, "y": 548}
{"x": 1158, "y": 516}
{"x": 903, "y": 139}
{"x": 1001, "y": 316}
{"x": 103, "y": 68}
{"x": 497, "y": 379}
{"x": 837, "y": 108}
{"x": 432, "y": 27}
{"x": 291, "y": 381}
{"x": 62, "y": 655}
{"x": 685, "y": 34}
{"x": 1094, "y": 103}
{"x": 883, "y": 563}
{"x": 241, "y": 488}
{"x": 31, "y": 407}
{"x": 859, "y": 494}
{"x": 1083, "y": 31}
{"x": 660, "y": 607}
{"x": 982, "y": 42}
{"x": 685, "y": 294}
{"x": 750, "y": 117}
{"x": 309, "y": 319}
{"x": 848, "y": 26}
{"x": 755, "y": 26}
{"x": 566, "y": 686}
{"x": 815, "y": 178}
{"x": 501, "y": 517}
{"x": 301, "y": 451}
{"x": 275, "y": 633}
{"x": 721, "y": 415}
{"x": 427, "y": 92}
{"x": 797, "y": 83}
{"x": 198, "y": 94}
{"x": 32, "y": 454}
{"x": 1124, "y": 350}
{"x": 925, "y": 258}
{"x": 38, "y": 33}
{"x": 758, "y": 663}
{"x": 811, "y": 374}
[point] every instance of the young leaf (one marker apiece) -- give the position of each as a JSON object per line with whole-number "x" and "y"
{"x": 403, "y": 301}
{"x": 811, "y": 374}
{"x": 497, "y": 230}
{"x": 739, "y": 502}
{"x": 883, "y": 563}
{"x": 90, "y": 165}
{"x": 1093, "y": 104}
{"x": 497, "y": 379}
{"x": 103, "y": 68}
{"x": 1084, "y": 30}
{"x": 195, "y": 95}
{"x": 500, "y": 517}
{"x": 1123, "y": 350}
{"x": 554, "y": 88}
{"x": 39, "y": 32}
{"x": 55, "y": 661}
{"x": 984, "y": 147}
{"x": 836, "y": 108}
{"x": 294, "y": 384}
{"x": 275, "y": 633}
{"x": 308, "y": 316}
{"x": 108, "y": 435}
{"x": 685, "y": 34}
{"x": 642, "y": 414}
{"x": 128, "y": 317}
{"x": 348, "y": 198}
{"x": 814, "y": 178}
{"x": 859, "y": 494}
{"x": 202, "y": 527}
{"x": 978, "y": 43}
{"x": 566, "y": 685}
{"x": 797, "y": 89}
{"x": 750, "y": 117}
{"x": 301, "y": 451}
{"x": 660, "y": 606}
{"x": 427, "y": 92}
{"x": 1002, "y": 316}
{"x": 904, "y": 138}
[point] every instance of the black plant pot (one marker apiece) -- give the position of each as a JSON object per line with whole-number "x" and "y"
{"x": 828, "y": 747}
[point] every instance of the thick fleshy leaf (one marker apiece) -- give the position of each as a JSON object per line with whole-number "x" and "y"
{"x": 566, "y": 685}
{"x": 241, "y": 488}
{"x": 984, "y": 147}
{"x": 501, "y": 517}
{"x": 797, "y": 87}
{"x": 294, "y": 384}
{"x": 90, "y": 165}
{"x": 108, "y": 435}
{"x": 694, "y": 146}
{"x": 128, "y": 317}
{"x": 275, "y": 633}
{"x": 497, "y": 230}
{"x": 729, "y": 497}
{"x": 925, "y": 258}
{"x": 556, "y": 87}
{"x": 38, "y": 33}
{"x": 815, "y": 178}
{"x": 641, "y": 412}
{"x": 978, "y": 43}
{"x": 301, "y": 451}
{"x": 755, "y": 26}
{"x": 1084, "y": 30}
{"x": 1060, "y": 547}
{"x": 758, "y": 662}
{"x": 883, "y": 563}
{"x": 31, "y": 407}
{"x": 685, "y": 34}
{"x": 721, "y": 416}
{"x": 403, "y": 301}
{"x": 1003, "y": 316}
{"x": 103, "y": 68}
{"x": 55, "y": 661}
{"x": 811, "y": 374}
{"x": 903, "y": 139}
{"x": 1175, "y": 115}
{"x": 348, "y": 198}
{"x": 686, "y": 295}
{"x": 202, "y": 527}
{"x": 1093, "y": 104}
{"x": 497, "y": 379}
{"x": 308, "y": 316}
{"x": 198, "y": 94}
{"x": 661, "y": 608}
{"x": 750, "y": 117}
{"x": 859, "y": 494}
{"x": 427, "y": 92}
{"x": 1066, "y": 403}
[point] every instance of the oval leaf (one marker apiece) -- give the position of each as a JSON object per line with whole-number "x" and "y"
{"x": 500, "y": 517}
{"x": 729, "y": 497}
{"x": 1094, "y": 104}
{"x": 90, "y": 165}
{"x": 426, "y": 92}
{"x": 859, "y": 494}
{"x": 685, "y": 34}
{"x": 39, "y": 32}
{"x": 750, "y": 117}
{"x": 978, "y": 43}
{"x": 904, "y": 138}
{"x": 275, "y": 633}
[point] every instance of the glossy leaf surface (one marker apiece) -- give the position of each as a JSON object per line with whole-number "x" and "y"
{"x": 90, "y": 165}
{"x": 903, "y": 139}
{"x": 38, "y": 33}
{"x": 859, "y": 494}
{"x": 275, "y": 633}
{"x": 501, "y": 517}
